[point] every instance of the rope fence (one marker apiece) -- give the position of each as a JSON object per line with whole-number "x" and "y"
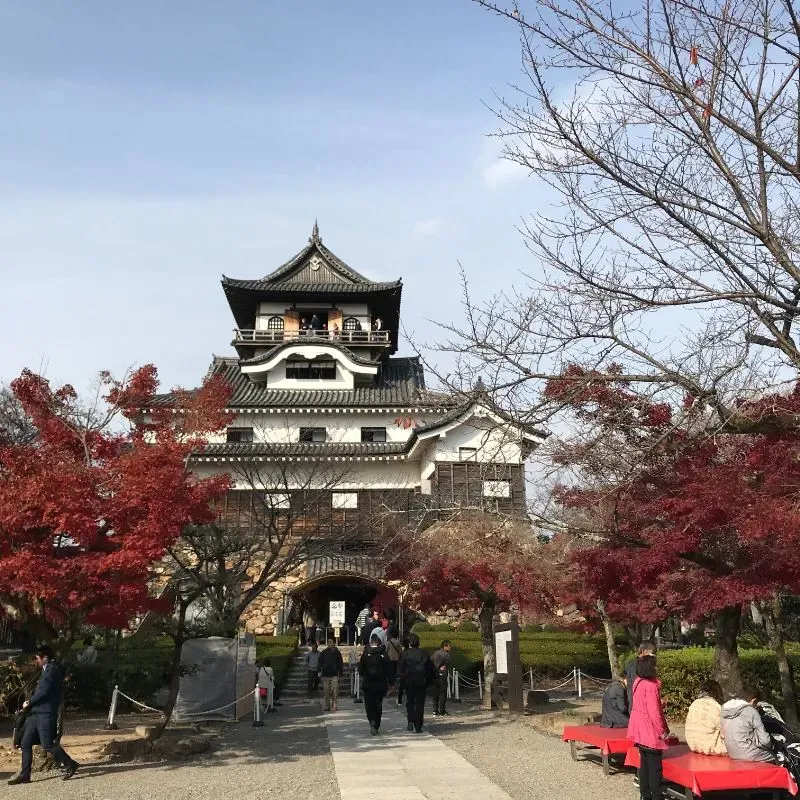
{"x": 269, "y": 705}
{"x": 575, "y": 679}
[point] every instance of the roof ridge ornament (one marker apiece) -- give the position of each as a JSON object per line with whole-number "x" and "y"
{"x": 315, "y": 237}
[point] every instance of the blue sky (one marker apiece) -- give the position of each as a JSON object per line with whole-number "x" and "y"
{"x": 147, "y": 148}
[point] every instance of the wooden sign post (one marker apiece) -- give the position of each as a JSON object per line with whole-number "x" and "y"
{"x": 507, "y": 684}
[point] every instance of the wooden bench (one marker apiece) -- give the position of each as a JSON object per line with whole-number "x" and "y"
{"x": 697, "y": 774}
{"x": 609, "y": 741}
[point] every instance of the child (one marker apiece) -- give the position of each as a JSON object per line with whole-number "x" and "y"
{"x": 647, "y": 727}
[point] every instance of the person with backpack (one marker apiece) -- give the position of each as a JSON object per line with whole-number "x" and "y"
{"x": 374, "y": 670}
{"x": 416, "y": 675}
{"x": 393, "y": 652}
{"x": 331, "y": 668}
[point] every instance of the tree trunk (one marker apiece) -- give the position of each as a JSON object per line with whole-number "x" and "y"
{"x": 611, "y": 645}
{"x": 773, "y": 622}
{"x": 637, "y": 632}
{"x": 726, "y": 656}
{"x": 485, "y": 617}
{"x": 178, "y": 638}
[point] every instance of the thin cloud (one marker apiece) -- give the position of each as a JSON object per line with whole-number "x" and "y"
{"x": 502, "y": 172}
{"x": 427, "y": 227}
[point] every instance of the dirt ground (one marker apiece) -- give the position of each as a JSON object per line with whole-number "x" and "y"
{"x": 84, "y": 737}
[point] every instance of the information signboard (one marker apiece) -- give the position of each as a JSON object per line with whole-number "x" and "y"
{"x": 337, "y": 613}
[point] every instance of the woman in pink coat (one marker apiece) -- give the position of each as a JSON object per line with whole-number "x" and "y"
{"x": 648, "y": 728}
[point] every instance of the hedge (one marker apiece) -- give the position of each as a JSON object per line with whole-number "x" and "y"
{"x": 682, "y": 671}
{"x": 549, "y": 655}
{"x": 280, "y": 650}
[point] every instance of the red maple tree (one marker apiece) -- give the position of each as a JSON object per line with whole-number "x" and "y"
{"x": 486, "y": 564}
{"x": 700, "y": 524}
{"x": 90, "y": 504}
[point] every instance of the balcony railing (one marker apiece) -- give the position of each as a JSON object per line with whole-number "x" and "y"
{"x": 380, "y": 338}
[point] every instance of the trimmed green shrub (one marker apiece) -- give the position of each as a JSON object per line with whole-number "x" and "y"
{"x": 551, "y": 656}
{"x": 682, "y": 671}
{"x": 444, "y": 626}
{"x": 421, "y": 627}
{"x": 280, "y": 650}
{"x": 467, "y": 627}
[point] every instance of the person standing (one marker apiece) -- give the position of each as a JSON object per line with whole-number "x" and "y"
{"x": 309, "y": 625}
{"x": 646, "y": 648}
{"x": 266, "y": 685}
{"x": 373, "y": 667}
{"x": 312, "y": 668}
{"x": 361, "y": 621}
{"x": 441, "y": 663}
{"x": 648, "y": 728}
{"x": 40, "y": 725}
{"x": 331, "y": 668}
{"x": 393, "y": 652}
{"x": 416, "y": 674}
{"x": 370, "y": 627}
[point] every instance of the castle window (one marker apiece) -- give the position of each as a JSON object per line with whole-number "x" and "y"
{"x": 275, "y": 323}
{"x": 467, "y": 454}
{"x": 373, "y": 434}
{"x": 239, "y": 436}
{"x": 315, "y": 435}
{"x": 351, "y": 324}
{"x": 278, "y": 501}
{"x": 344, "y": 500}
{"x": 321, "y": 368}
{"x": 497, "y": 489}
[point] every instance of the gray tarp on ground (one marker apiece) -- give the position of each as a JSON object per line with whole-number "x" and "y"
{"x": 217, "y": 671}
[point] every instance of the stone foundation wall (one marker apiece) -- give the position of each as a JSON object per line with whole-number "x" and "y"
{"x": 262, "y": 617}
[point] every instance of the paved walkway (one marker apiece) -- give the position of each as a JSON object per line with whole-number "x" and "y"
{"x": 399, "y": 764}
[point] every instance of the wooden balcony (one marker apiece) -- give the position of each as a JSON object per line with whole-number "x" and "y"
{"x": 361, "y": 338}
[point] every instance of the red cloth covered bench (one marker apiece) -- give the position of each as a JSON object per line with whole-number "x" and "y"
{"x": 698, "y": 774}
{"x": 609, "y": 741}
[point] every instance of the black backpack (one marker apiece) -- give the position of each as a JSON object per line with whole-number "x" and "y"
{"x": 419, "y": 670}
{"x": 375, "y": 666}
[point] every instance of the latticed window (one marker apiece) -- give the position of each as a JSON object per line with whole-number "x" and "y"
{"x": 321, "y": 368}
{"x": 275, "y": 323}
{"x": 351, "y": 324}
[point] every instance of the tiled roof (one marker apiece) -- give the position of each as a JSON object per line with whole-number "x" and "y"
{"x": 315, "y": 243}
{"x": 400, "y": 383}
{"x": 287, "y": 287}
{"x": 326, "y": 340}
{"x": 328, "y": 449}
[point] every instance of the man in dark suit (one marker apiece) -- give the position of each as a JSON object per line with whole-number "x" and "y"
{"x": 40, "y": 726}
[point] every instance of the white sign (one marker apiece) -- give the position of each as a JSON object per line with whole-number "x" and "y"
{"x": 501, "y": 639}
{"x": 336, "y": 615}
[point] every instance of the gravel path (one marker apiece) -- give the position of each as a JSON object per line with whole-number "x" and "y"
{"x": 524, "y": 762}
{"x": 289, "y": 756}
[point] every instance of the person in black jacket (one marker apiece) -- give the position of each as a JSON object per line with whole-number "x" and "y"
{"x": 416, "y": 675}
{"x": 331, "y": 669}
{"x": 374, "y": 670}
{"x": 615, "y": 705}
{"x": 40, "y": 725}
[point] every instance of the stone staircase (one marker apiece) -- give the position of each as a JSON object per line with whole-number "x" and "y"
{"x": 296, "y": 686}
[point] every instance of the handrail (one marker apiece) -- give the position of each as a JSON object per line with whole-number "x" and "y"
{"x": 248, "y": 336}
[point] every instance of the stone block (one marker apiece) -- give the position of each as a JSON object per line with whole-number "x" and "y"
{"x": 536, "y": 697}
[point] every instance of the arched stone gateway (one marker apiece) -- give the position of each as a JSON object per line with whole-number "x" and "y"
{"x": 355, "y": 580}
